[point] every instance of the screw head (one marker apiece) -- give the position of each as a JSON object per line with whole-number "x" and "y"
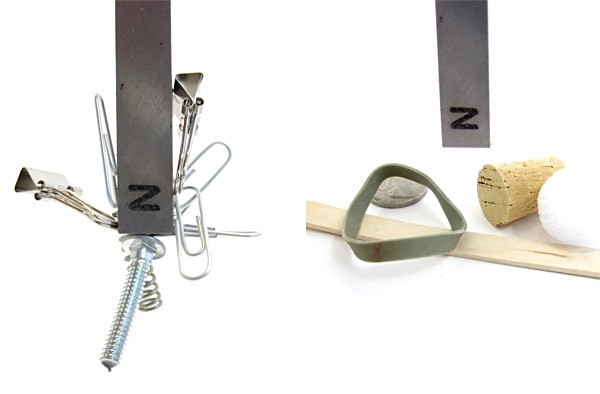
{"x": 135, "y": 242}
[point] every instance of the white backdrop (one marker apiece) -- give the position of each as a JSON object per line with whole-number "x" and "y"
{"x": 311, "y": 96}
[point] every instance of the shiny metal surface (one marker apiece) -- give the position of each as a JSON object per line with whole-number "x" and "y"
{"x": 70, "y": 199}
{"x": 142, "y": 251}
{"x": 186, "y": 86}
{"x": 181, "y": 239}
{"x": 30, "y": 180}
{"x": 151, "y": 299}
{"x": 462, "y": 39}
{"x": 191, "y": 110}
{"x": 191, "y": 229}
{"x": 188, "y": 108}
{"x": 190, "y": 170}
{"x": 51, "y": 186}
{"x": 109, "y": 160}
{"x": 144, "y": 117}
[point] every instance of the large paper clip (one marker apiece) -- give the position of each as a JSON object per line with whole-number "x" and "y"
{"x": 109, "y": 161}
{"x": 191, "y": 171}
{"x": 202, "y": 232}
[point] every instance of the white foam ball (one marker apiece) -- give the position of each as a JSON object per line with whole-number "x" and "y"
{"x": 568, "y": 209}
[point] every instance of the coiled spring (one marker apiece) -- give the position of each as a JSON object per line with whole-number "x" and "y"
{"x": 151, "y": 297}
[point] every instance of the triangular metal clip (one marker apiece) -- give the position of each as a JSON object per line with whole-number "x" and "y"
{"x": 32, "y": 180}
{"x": 186, "y": 86}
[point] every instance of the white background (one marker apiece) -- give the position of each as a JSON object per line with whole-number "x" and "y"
{"x": 311, "y": 96}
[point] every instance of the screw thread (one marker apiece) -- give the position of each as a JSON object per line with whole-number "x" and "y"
{"x": 128, "y": 304}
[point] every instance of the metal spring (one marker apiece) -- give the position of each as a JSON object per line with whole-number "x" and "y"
{"x": 151, "y": 297}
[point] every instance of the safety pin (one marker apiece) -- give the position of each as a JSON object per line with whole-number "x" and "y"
{"x": 181, "y": 241}
{"x": 109, "y": 161}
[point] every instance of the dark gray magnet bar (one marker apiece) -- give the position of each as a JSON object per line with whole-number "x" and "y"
{"x": 462, "y": 38}
{"x": 144, "y": 117}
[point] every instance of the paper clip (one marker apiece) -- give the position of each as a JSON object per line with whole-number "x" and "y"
{"x": 109, "y": 161}
{"x": 191, "y": 171}
{"x": 192, "y": 230}
{"x": 184, "y": 91}
{"x": 181, "y": 239}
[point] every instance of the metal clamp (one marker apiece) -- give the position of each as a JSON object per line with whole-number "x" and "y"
{"x": 51, "y": 186}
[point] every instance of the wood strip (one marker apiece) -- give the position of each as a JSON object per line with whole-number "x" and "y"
{"x": 518, "y": 252}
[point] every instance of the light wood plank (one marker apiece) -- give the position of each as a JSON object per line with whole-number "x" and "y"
{"x": 484, "y": 247}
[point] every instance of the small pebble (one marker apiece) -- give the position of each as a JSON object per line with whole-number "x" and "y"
{"x": 398, "y": 192}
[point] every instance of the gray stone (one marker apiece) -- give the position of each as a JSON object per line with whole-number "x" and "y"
{"x": 398, "y": 192}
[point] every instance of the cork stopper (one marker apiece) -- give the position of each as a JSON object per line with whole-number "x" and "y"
{"x": 509, "y": 191}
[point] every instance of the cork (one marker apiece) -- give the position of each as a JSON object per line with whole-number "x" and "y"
{"x": 509, "y": 191}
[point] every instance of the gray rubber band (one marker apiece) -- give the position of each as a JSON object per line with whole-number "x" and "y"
{"x": 401, "y": 248}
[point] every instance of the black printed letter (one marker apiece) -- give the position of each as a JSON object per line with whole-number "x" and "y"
{"x": 138, "y": 203}
{"x": 460, "y": 122}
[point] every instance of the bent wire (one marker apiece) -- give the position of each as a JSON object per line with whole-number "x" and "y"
{"x": 191, "y": 171}
{"x": 109, "y": 161}
{"x": 181, "y": 237}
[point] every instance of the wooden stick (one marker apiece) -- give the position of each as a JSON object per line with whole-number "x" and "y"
{"x": 484, "y": 247}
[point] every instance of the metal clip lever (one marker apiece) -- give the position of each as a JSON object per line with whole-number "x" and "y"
{"x": 188, "y": 130}
{"x": 190, "y": 107}
{"x": 51, "y": 186}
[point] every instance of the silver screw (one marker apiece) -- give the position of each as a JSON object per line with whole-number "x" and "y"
{"x": 142, "y": 250}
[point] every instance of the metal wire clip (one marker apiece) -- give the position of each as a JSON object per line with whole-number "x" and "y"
{"x": 51, "y": 186}
{"x": 109, "y": 161}
{"x": 189, "y": 108}
{"x": 200, "y": 229}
